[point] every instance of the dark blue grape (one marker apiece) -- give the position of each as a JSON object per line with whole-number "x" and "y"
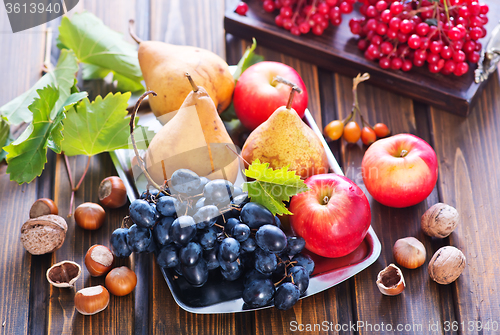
{"x": 218, "y": 192}
{"x": 196, "y": 275}
{"x": 229, "y": 266}
{"x": 248, "y": 245}
{"x": 286, "y": 296}
{"x": 300, "y": 277}
{"x": 201, "y": 187}
{"x": 277, "y": 221}
{"x": 256, "y": 215}
{"x": 182, "y": 230}
{"x": 271, "y": 239}
{"x": 241, "y": 232}
{"x": 258, "y": 293}
{"x": 119, "y": 244}
{"x": 161, "y": 231}
{"x": 253, "y": 274}
{"x": 241, "y": 200}
{"x": 138, "y": 238}
{"x": 166, "y": 206}
{"x": 230, "y": 224}
{"x": 168, "y": 257}
{"x": 157, "y": 214}
{"x": 247, "y": 260}
{"x": 265, "y": 262}
{"x": 229, "y": 249}
{"x": 185, "y": 181}
{"x": 295, "y": 245}
{"x": 149, "y": 195}
{"x": 152, "y": 246}
{"x": 142, "y": 214}
{"x": 210, "y": 257}
{"x": 206, "y": 216}
{"x": 208, "y": 238}
{"x": 232, "y": 273}
{"x": 199, "y": 204}
{"x": 190, "y": 254}
{"x": 182, "y": 208}
{"x": 305, "y": 261}
{"x": 237, "y": 191}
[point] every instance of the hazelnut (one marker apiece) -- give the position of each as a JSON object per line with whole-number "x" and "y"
{"x": 112, "y": 192}
{"x": 390, "y": 280}
{"x": 439, "y": 220}
{"x": 446, "y": 265}
{"x": 121, "y": 281}
{"x": 43, "y": 234}
{"x": 91, "y": 300}
{"x": 43, "y": 206}
{"x": 409, "y": 252}
{"x": 63, "y": 274}
{"x": 98, "y": 260}
{"x": 90, "y": 216}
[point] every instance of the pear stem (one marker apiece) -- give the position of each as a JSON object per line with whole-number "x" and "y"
{"x": 294, "y": 87}
{"x": 191, "y": 81}
{"x": 131, "y": 31}
{"x": 142, "y": 165}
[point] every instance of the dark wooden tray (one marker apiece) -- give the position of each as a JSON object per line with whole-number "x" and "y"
{"x": 337, "y": 50}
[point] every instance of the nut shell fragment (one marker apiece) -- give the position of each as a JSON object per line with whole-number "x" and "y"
{"x": 440, "y": 220}
{"x": 43, "y": 234}
{"x": 43, "y": 206}
{"x": 390, "y": 280}
{"x": 446, "y": 265}
{"x": 63, "y": 274}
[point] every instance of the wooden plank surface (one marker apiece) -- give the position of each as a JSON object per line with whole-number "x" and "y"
{"x": 469, "y": 159}
{"x": 19, "y": 73}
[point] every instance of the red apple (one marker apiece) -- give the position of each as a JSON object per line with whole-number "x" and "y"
{"x": 333, "y": 217}
{"x": 257, "y": 96}
{"x": 400, "y": 171}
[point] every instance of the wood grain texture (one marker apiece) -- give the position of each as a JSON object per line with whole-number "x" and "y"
{"x": 421, "y": 300}
{"x": 336, "y": 49}
{"x": 21, "y": 68}
{"x": 469, "y": 157}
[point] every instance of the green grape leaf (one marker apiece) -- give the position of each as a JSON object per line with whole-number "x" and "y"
{"x": 27, "y": 155}
{"x": 94, "y": 127}
{"x": 248, "y": 59}
{"x": 62, "y": 77}
{"x": 272, "y": 187}
{"x": 104, "y": 49}
{"x": 5, "y": 137}
{"x": 123, "y": 84}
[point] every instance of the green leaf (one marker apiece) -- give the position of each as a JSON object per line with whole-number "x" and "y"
{"x": 5, "y": 137}
{"x": 62, "y": 77}
{"x": 104, "y": 49}
{"x": 272, "y": 187}
{"x": 249, "y": 58}
{"x": 100, "y": 126}
{"x": 123, "y": 84}
{"x": 28, "y": 154}
{"x": 92, "y": 72}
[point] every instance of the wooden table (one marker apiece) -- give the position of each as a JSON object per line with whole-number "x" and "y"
{"x": 468, "y": 151}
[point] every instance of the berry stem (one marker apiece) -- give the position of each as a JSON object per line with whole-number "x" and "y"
{"x": 72, "y": 183}
{"x": 355, "y": 82}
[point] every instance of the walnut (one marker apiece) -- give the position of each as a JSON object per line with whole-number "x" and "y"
{"x": 446, "y": 265}
{"x": 439, "y": 220}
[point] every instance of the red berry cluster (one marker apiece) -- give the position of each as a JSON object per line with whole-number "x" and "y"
{"x": 303, "y": 16}
{"x": 403, "y": 34}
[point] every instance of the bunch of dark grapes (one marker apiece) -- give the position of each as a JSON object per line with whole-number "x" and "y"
{"x": 402, "y": 34}
{"x": 197, "y": 226}
{"x": 303, "y": 16}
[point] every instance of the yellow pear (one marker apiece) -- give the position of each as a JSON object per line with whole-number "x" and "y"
{"x": 196, "y": 139}
{"x": 284, "y": 139}
{"x": 163, "y": 66}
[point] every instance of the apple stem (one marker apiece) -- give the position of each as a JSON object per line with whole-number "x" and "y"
{"x": 325, "y": 200}
{"x": 403, "y": 153}
{"x": 191, "y": 81}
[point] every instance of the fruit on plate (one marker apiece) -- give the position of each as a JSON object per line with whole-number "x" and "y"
{"x": 163, "y": 66}
{"x": 400, "y": 171}
{"x": 443, "y": 35}
{"x": 258, "y": 94}
{"x": 333, "y": 217}
{"x": 284, "y": 139}
{"x": 194, "y": 139}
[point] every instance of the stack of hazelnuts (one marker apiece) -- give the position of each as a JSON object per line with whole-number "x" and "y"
{"x": 99, "y": 259}
{"x": 447, "y": 264}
